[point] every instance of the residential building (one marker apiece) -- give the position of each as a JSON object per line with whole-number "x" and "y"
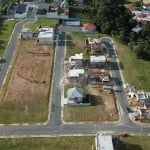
{"x": 46, "y": 35}
{"x": 75, "y": 95}
{"x": 21, "y": 11}
{"x": 75, "y": 73}
{"x": 76, "y": 60}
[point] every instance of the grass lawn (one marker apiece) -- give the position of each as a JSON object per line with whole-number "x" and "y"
{"x": 54, "y": 143}
{"x": 42, "y": 21}
{"x": 6, "y": 28}
{"x": 77, "y": 12}
{"x": 135, "y": 143}
{"x": 135, "y": 71}
{"x": 76, "y": 44}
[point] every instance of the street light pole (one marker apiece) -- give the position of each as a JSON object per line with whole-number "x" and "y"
{"x": 141, "y": 129}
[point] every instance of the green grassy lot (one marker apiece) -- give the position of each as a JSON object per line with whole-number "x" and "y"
{"x": 42, "y": 21}
{"x": 54, "y": 143}
{"x": 135, "y": 143}
{"x": 71, "y": 143}
{"x": 76, "y": 44}
{"x": 135, "y": 71}
{"x": 77, "y": 12}
{"x": 6, "y": 28}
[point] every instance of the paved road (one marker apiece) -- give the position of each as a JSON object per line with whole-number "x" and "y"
{"x": 69, "y": 129}
{"x": 54, "y": 126}
{"x": 118, "y": 84}
{"x": 55, "y": 116}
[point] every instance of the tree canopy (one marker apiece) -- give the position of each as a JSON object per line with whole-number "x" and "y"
{"x": 112, "y": 17}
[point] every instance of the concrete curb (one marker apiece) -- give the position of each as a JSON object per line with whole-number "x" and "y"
{"x": 45, "y": 136}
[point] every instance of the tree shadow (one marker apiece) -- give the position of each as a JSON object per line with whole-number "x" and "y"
{"x": 96, "y": 100}
{"x": 122, "y": 144}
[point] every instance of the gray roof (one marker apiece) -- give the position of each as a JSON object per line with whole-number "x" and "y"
{"x": 75, "y": 92}
{"x": 21, "y": 8}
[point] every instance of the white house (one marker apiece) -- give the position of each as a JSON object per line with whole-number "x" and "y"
{"x": 46, "y": 37}
{"x": 75, "y": 73}
{"x": 75, "y": 60}
{"x": 75, "y": 95}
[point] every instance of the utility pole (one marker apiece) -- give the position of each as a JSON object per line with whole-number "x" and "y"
{"x": 141, "y": 129}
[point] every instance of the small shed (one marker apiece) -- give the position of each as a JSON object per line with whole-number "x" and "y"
{"x": 137, "y": 29}
{"x": 26, "y": 33}
{"x": 75, "y": 94}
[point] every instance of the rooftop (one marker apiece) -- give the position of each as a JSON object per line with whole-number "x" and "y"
{"x": 76, "y": 57}
{"x": 46, "y": 28}
{"x": 97, "y": 59}
{"x": 21, "y": 8}
{"x": 75, "y": 72}
{"x": 45, "y": 34}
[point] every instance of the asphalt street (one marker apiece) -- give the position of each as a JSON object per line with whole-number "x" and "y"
{"x": 55, "y": 116}
{"x": 118, "y": 86}
{"x": 55, "y": 126}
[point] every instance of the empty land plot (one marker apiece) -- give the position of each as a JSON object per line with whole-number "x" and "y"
{"x": 134, "y": 143}
{"x": 50, "y": 143}
{"x": 26, "y": 95}
{"x": 103, "y": 109}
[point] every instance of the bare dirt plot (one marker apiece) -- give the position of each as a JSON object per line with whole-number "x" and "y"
{"x": 27, "y": 94}
{"x": 146, "y": 1}
{"x": 103, "y": 109}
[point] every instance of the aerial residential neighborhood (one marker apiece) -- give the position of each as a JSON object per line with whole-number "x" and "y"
{"x": 74, "y": 74}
